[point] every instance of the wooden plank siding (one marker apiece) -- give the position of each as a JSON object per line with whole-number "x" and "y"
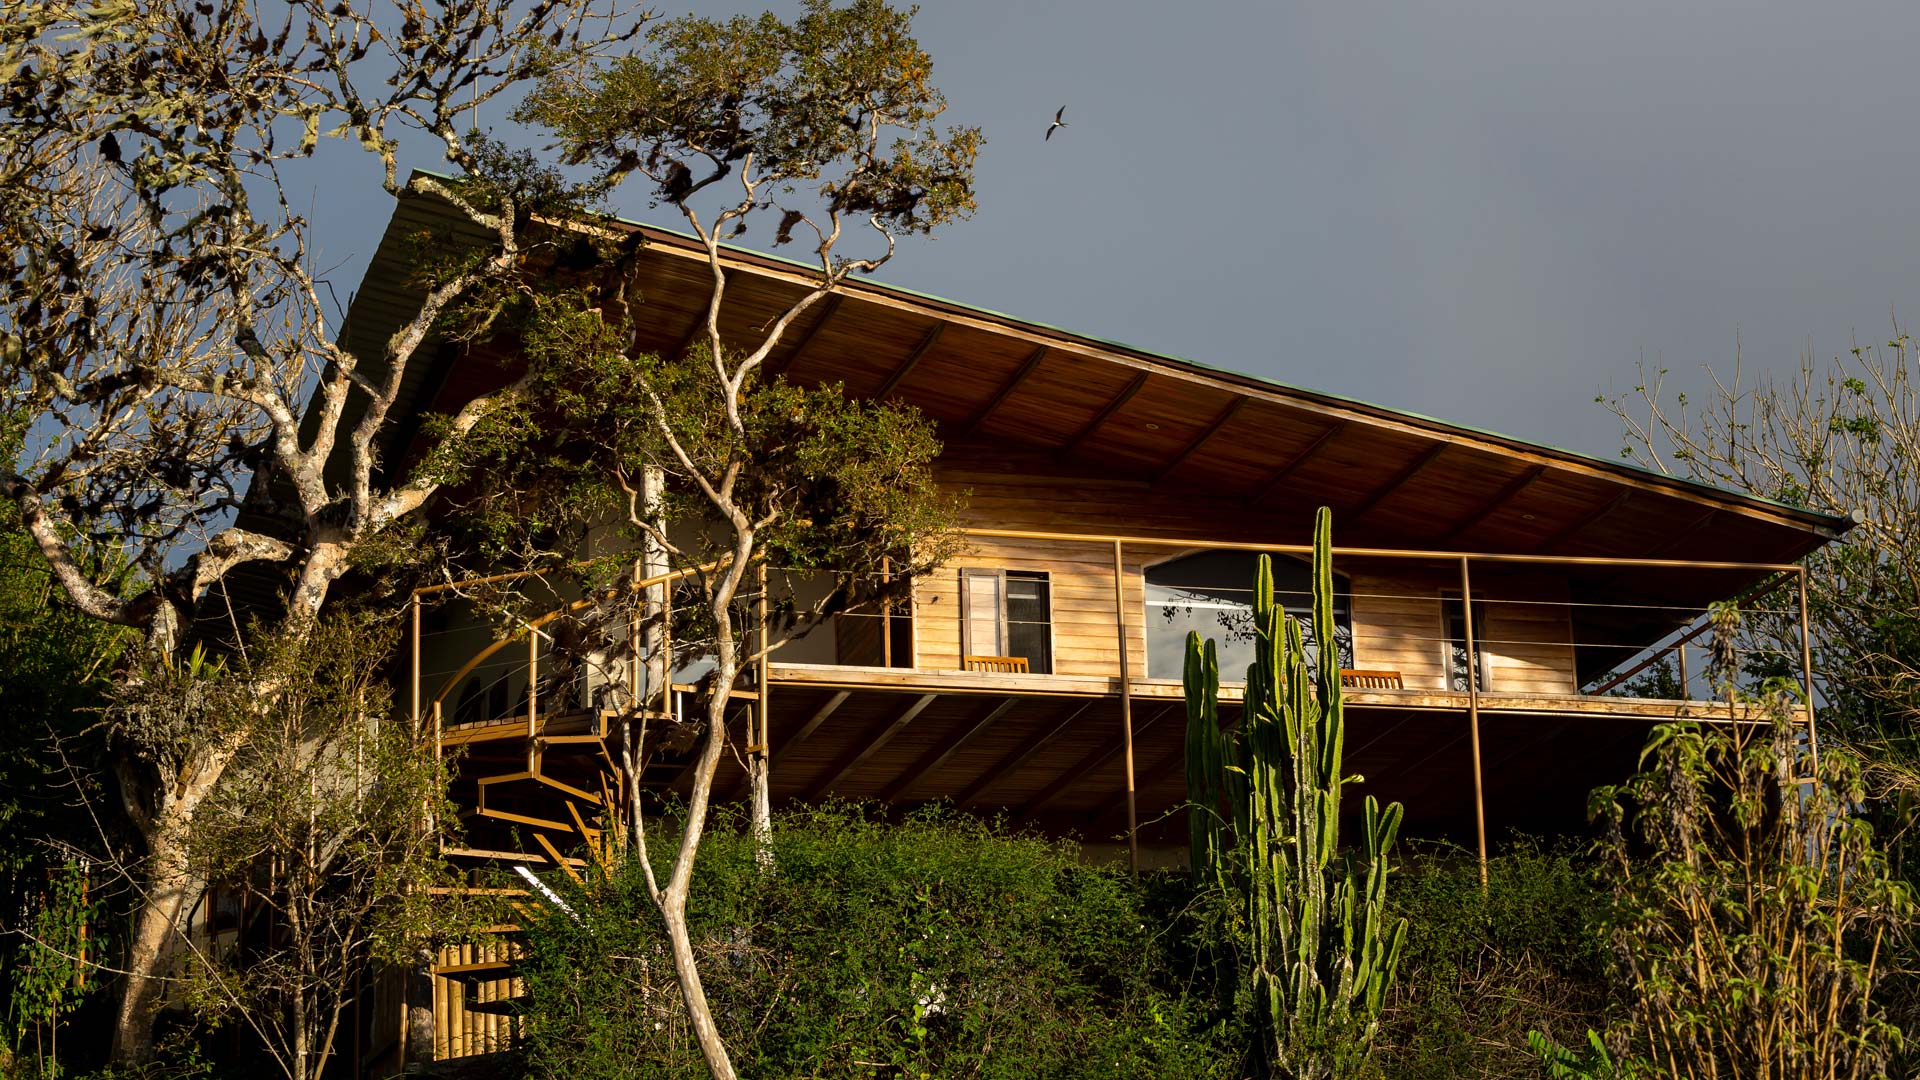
{"x": 1398, "y": 622}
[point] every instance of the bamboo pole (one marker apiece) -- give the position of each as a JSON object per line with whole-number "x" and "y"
{"x": 1126, "y": 706}
{"x": 1806, "y": 674}
{"x": 1473, "y": 716}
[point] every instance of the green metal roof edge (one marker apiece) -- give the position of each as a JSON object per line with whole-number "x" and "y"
{"x": 1840, "y": 523}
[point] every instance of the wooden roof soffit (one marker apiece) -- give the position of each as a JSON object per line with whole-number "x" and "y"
{"x": 1272, "y": 483}
{"x": 869, "y": 746}
{"x": 827, "y": 308}
{"x": 1018, "y": 756}
{"x": 1200, "y": 440}
{"x": 686, "y": 340}
{"x": 936, "y": 757}
{"x": 912, "y": 361}
{"x": 1384, "y": 491}
{"x": 1106, "y": 414}
{"x": 1001, "y": 395}
{"x": 1494, "y": 505}
{"x": 1680, "y": 535}
{"x": 1554, "y": 542}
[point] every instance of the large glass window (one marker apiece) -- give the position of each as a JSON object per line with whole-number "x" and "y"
{"x": 1212, "y": 593}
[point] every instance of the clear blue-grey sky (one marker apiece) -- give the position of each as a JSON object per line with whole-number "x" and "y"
{"x": 1484, "y": 211}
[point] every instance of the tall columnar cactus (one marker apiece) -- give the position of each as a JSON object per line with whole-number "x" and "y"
{"x": 1317, "y": 950}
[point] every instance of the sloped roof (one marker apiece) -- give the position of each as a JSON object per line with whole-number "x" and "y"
{"x": 1393, "y": 478}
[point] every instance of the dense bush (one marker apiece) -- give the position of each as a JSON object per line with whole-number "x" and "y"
{"x": 938, "y": 946}
{"x": 1482, "y": 968}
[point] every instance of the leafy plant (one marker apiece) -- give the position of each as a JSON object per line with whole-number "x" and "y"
{"x": 936, "y": 946}
{"x": 1753, "y": 912}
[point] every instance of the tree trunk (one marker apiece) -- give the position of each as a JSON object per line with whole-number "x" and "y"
{"x": 171, "y": 890}
{"x": 673, "y": 900}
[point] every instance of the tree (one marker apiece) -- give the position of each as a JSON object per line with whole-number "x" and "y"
{"x": 827, "y": 121}
{"x": 344, "y": 803}
{"x": 162, "y": 321}
{"x": 1841, "y": 437}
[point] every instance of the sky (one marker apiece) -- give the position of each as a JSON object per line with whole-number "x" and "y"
{"x": 1487, "y": 211}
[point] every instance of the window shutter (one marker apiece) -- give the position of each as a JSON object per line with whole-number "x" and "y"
{"x": 982, "y": 600}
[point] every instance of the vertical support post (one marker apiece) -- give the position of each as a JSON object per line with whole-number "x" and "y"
{"x": 414, "y": 711}
{"x": 762, "y": 707}
{"x": 1806, "y": 674}
{"x": 1681, "y": 648}
{"x": 1473, "y": 715}
{"x": 886, "y": 613}
{"x": 533, "y": 683}
{"x": 1126, "y": 705}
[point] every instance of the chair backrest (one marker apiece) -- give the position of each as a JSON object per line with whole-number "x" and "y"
{"x": 1371, "y": 680}
{"x": 1012, "y": 664}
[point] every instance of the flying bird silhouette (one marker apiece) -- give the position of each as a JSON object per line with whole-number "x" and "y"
{"x": 1057, "y": 123}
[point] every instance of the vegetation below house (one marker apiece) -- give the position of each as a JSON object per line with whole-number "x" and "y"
{"x": 944, "y": 946}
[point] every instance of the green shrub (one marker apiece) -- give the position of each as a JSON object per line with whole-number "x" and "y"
{"x": 935, "y": 947}
{"x": 1480, "y": 969}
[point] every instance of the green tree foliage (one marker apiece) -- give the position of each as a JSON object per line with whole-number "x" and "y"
{"x": 326, "y": 828}
{"x": 55, "y": 664}
{"x": 167, "y": 334}
{"x": 1313, "y": 949}
{"x": 937, "y": 946}
{"x": 1753, "y": 913}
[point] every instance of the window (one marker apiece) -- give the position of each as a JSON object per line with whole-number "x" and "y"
{"x": 1212, "y": 593}
{"x": 1007, "y": 613}
{"x": 1456, "y": 645}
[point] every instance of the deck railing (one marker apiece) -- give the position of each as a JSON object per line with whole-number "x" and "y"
{"x": 642, "y": 670}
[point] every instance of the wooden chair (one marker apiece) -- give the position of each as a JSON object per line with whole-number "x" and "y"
{"x": 1014, "y": 665}
{"x": 1370, "y": 680}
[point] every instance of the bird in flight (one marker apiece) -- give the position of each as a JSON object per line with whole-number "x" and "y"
{"x": 1057, "y": 123}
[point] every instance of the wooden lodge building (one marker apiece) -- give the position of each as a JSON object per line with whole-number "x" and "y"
{"x": 1116, "y": 499}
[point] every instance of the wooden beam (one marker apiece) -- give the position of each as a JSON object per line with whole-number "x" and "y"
{"x": 1272, "y": 483}
{"x": 1494, "y": 505}
{"x": 1001, "y": 395}
{"x": 1585, "y": 523}
{"x": 1206, "y": 433}
{"x": 1399, "y": 480}
{"x": 1018, "y": 756}
{"x": 1086, "y": 765}
{"x": 938, "y": 756}
{"x": 827, "y": 308}
{"x": 812, "y": 725}
{"x": 873, "y": 742}
{"x": 1106, "y": 413}
{"x": 912, "y": 361}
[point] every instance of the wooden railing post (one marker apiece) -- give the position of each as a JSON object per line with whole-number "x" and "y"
{"x": 1473, "y": 715}
{"x": 1126, "y": 705}
{"x": 1806, "y": 675}
{"x": 414, "y": 709}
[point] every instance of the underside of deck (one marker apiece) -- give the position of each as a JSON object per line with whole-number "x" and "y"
{"x": 1048, "y": 753}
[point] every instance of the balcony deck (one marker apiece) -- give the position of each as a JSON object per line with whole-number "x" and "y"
{"x": 845, "y": 677}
